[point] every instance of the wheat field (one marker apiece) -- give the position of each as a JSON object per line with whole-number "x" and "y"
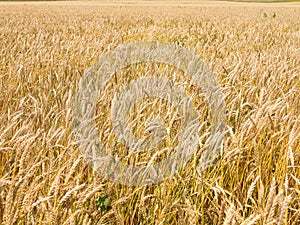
{"x": 253, "y": 51}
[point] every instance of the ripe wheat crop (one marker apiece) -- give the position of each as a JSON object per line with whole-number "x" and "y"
{"x": 254, "y": 54}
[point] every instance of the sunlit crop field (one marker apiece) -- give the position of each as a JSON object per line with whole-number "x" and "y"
{"x": 254, "y": 53}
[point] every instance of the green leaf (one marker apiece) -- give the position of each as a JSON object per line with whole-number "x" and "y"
{"x": 103, "y": 203}
{"x": 107, "y": 201}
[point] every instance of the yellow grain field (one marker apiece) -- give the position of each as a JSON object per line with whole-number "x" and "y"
{"x": 253, "y": 51}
